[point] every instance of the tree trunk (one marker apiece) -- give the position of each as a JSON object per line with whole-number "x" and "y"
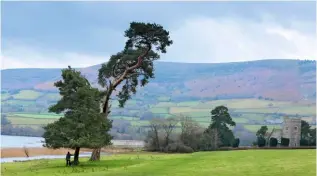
{"x": 95, "y": 155}
{"x": 216, "y": 139}
{"x": 157, "y": 140}
{"x": 76, "y": 156}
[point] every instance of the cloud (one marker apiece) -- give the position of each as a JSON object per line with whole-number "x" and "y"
{"x": 196, "y": 40}
{"x": 215, "y": 40}
{"x": 27, "y": 57}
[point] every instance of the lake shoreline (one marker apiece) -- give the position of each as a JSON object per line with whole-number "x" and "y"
{"x": 41, "y": 151}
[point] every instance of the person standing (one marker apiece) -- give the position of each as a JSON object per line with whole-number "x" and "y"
{"x": 68, "y": 155}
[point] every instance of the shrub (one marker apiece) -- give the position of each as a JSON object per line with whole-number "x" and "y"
{"x": 285, "y": 142}
{"x": 178, "y": 148}
{"x": 273, "y": 142}
{"x": 304, "y": 142}
{"x": 236, "y": 143}
{"x": 261, "y": 141}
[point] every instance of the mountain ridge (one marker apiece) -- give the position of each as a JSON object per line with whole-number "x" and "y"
{"x": 250, "y": 79}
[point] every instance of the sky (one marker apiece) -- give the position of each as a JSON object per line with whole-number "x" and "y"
{"x": 81, "y": 34}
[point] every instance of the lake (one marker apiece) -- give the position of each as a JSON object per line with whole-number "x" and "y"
{"x": 23, "y": 141}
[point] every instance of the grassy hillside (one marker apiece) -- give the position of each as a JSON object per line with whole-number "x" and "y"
{"x": 257, "y": 93}
{"x": 227, "y": 163}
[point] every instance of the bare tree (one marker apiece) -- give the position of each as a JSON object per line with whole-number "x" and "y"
{"x": 153, "y": 139}
{"x": 169, "y": 125}
{"x": 191, "y": 132}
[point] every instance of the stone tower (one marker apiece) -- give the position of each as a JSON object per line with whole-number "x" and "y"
{"x": 292, "y": 131}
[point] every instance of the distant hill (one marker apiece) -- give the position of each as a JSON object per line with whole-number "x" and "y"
{"x": 257, "y": 92}
{"x": 290, "y": 80}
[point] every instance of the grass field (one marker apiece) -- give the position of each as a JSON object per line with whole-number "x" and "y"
{"x": 19, "y": 102}
{"x": 27, "y": 95}
{"x": 255, "y": 128}
{"x": 5, "y": 96}
{"x": 40, "y": 116}
{"x": 159, "y": 110}
{"x": 225, "y": 163}
{"x": 51, "y": 96}
{"x": 28, "y": 121}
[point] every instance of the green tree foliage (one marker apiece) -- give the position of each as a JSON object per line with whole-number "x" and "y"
{"x": 305, "y": 129}
{"x": 261, "y": 141}
{"x": 220, "y": 120}
{"x": 135, "y": 63}
{"x": 308, "y": 135}
{"x": 285, "y": 142}
{"x": 304, "y": 142}
{"x": 236, "y": 143}
{"x": 273, "y": 142}
{"x": 82, "y": 124}
{"x": 313, "y": 137}
{"x": 133, "y": 66}
{"x": 262, "y": 131}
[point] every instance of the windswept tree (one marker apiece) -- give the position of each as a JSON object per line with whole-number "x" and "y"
{"x": 133, "y": 66}
{"x": 82, "y": 124}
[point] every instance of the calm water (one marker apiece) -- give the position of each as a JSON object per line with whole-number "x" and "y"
{"x": 22, "y": 141}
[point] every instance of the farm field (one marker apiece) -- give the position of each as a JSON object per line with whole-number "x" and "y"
{"x": 224, "y": 163}
{"x": 27, "y": 95}
{"x": 243, "y": 111}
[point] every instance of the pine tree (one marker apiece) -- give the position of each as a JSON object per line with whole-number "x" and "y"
{"x": 82, "y": 126}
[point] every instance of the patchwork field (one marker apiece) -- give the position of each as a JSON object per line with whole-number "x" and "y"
{"x": 27, "y": 95}
{"x": 252, "y": 113}
{"x": 226, "y": 163}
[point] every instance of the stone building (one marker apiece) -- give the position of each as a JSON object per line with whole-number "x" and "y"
{"x": 291, "y": 129}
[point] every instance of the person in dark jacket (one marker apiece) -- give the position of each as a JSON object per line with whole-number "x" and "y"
{"x": 68, "y": 155}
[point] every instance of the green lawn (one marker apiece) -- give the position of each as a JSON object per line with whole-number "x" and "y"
{"x": 224, "y": 163}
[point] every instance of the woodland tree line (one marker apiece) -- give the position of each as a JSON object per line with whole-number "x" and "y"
{"x": 165, "y": 137}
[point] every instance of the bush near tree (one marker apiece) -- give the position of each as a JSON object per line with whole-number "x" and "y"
{"x": 261, "y": 141}
{"x": 236, "y": 143}
{"x": 285, "y": 142}
{"x": 273, "y": 142}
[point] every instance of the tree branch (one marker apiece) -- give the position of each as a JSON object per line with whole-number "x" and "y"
{"x": 123, "y": 76}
